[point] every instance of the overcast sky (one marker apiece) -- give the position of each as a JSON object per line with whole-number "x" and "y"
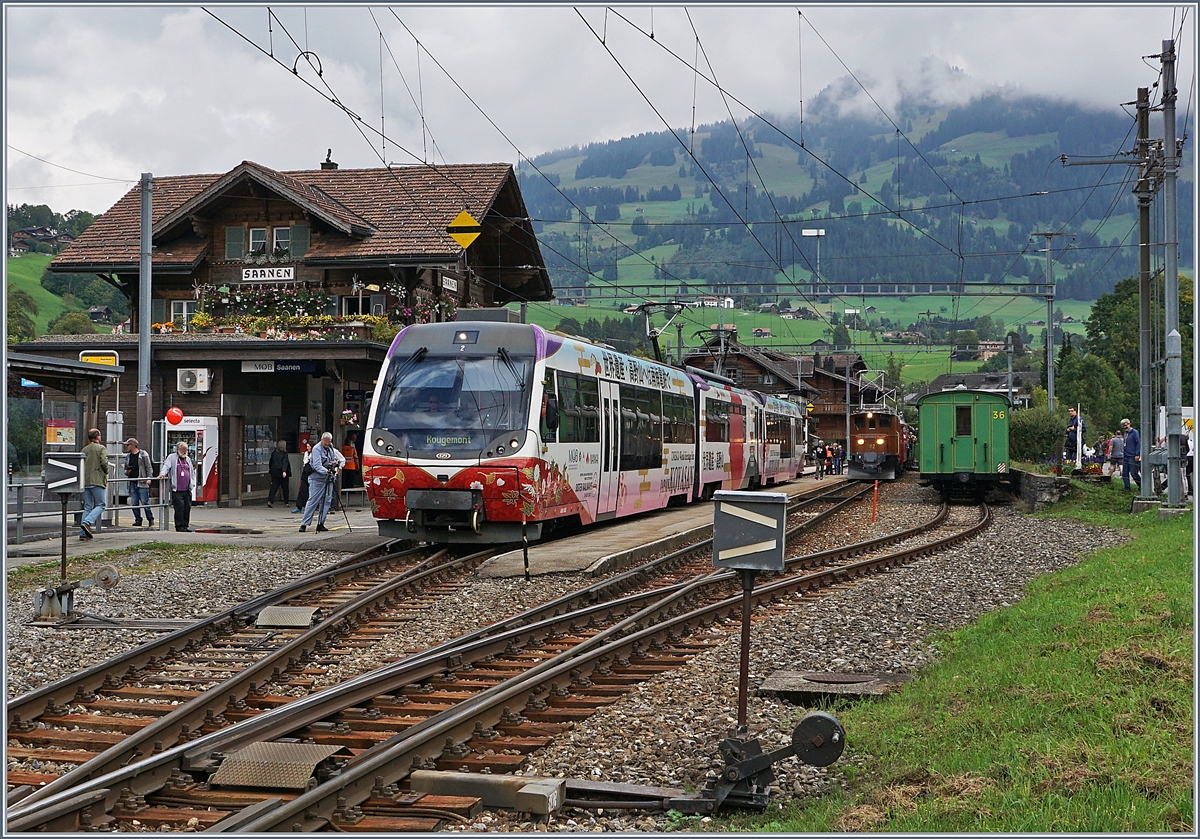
{"x": 113, "y": 91}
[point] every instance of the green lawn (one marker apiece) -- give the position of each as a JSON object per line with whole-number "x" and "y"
{"x": 25, "y": 272}
{"x": 1071, "y": 711}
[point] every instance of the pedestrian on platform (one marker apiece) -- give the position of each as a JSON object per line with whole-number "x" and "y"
{"x": 1116, "y": 453}
{"x": 1132, "y": 455}
{"x": 180, "y": 471}
{"x": 351, "y": 474}
{"x": 279, "y": 466}
{"x": 1076, "y": 428}
{"x": 326, "y": 462}
{"x": 95, "y": 484}
{"x": 305, "y": 473}
{"x": 139, "y": 470}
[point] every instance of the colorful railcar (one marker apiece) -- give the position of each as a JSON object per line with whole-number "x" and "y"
{"x": 490, "y": 432}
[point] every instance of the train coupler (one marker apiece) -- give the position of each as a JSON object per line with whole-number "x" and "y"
{"x": 745, "y": 781}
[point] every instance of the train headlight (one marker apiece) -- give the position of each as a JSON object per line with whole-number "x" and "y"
{"x": 879, "y": 441}
{"x": 861, "y": 441}
{"x": 514, "y": 443}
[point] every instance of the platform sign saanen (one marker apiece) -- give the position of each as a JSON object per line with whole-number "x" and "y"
{"x": 748, "y": 530}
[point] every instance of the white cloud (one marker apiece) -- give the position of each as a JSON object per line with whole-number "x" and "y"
{"x": 116, "y": 91}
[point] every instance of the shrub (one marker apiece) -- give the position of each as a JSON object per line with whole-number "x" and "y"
{"x": 1035, "y": 435}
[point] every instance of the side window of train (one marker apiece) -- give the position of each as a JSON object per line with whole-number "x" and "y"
{"x": 578, "y": 409}
{"x": 549, "y": 392}
{"x": 716, "y": 421}
{"x": 678, "y": 419}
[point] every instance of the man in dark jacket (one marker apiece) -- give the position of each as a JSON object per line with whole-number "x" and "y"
{"x": 279, "y": 466}
{"x": 139, "y": 470}
{"x": 1132, "y": 456}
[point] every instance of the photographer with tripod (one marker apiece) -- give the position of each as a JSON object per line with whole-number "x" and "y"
{"x": 326, "y": 462}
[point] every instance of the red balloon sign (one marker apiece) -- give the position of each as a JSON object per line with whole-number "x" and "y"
{"x": 174, "y": 415}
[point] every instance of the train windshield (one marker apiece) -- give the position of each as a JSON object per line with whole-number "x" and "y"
{"x": 458, "y": 405}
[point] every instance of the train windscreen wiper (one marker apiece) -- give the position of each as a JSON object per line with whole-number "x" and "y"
{"x": 512, "y": 368}
{"x": 406, "y": 366}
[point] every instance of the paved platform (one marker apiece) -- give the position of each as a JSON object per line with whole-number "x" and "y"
{"x": 273, "y": 528}
{"x": 617, "y": 544}
{"x": 596, "y": 550}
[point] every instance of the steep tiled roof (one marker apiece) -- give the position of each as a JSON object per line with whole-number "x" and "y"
{"x": 398, "y": 212}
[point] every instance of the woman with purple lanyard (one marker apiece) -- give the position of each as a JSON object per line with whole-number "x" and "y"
{"x": 178, "y": 468}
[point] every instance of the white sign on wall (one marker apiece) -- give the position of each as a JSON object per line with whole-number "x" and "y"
{"x": 258, "y": 366}
{"x": 260, "y": 274}
{"x": 449, "y": 283}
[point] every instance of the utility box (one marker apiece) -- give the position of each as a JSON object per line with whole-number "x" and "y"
{"x": 748, "y": 530}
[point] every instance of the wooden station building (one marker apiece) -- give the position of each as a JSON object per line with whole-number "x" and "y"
{"x": 410, "y": 243}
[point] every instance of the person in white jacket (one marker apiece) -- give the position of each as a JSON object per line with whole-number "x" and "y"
{"x": 181, "y": 472}
{"x": 326, "y": 462}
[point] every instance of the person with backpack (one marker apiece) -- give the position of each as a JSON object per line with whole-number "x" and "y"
{"x": 326, "y": 462}
{"x": 139, "y": 470}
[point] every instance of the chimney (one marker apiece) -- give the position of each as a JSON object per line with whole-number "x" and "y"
{"x": 328, "y": 164}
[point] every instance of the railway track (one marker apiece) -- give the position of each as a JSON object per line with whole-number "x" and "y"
{"x": 173, "y": 688}
{"x": 194, "y": 680}
{"x": 479, "y": 702}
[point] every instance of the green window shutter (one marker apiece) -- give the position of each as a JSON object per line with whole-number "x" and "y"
{"x": 300, "y": 239}
{"x": 235, "y": 242}
{"x": 158, "y": 310}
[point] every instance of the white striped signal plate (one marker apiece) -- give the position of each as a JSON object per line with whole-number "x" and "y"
{"x": 748, "y": 530}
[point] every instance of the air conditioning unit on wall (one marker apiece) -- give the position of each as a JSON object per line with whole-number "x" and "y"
{"x": 192, "y": 379}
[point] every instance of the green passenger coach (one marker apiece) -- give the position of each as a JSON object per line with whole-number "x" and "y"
{"x": 963, "y": 440}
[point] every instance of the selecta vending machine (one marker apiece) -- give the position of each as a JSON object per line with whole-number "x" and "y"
{"x": 200, "y": 433}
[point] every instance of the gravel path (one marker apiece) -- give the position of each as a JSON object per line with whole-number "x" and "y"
{"x": 212, "y": 582}
{"x": 665, "y": 731}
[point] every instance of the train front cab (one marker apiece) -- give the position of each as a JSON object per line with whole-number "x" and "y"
{"x": 876, "y": 444}
{"x": 963, "y": 446}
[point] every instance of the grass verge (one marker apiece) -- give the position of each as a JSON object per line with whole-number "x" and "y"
{"x": 1070, "y": 711}
{"x": 150, "y": 556}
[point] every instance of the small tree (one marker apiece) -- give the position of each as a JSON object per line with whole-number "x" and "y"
{"x": 1036, "y": 435}
{"x": 72, "y": 323}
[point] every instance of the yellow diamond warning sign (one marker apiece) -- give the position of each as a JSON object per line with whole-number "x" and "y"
{"x": 464, "y": 229}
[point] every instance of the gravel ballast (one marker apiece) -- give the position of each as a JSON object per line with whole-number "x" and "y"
{"x": 665, "y": 731}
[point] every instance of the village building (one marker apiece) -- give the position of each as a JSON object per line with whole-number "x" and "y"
{"x": 990, "y": 382}
{"x": 303, "y": 277}
{"x": 818, "y": 379}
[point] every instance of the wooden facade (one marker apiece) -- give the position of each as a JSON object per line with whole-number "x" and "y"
{"x": 328, "y": 231}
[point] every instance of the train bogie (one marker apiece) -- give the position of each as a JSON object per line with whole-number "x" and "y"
{"x": 963, "y": 447}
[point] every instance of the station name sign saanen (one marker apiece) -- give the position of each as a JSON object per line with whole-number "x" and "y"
{"x": 250, "y": 274}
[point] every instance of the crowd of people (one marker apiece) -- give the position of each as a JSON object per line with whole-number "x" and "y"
{"x": 325, "y": 469}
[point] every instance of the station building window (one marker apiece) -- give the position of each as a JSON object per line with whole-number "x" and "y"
{"x": 258, "y": 240}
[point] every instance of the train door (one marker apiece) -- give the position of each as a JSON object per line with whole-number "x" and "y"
{"x": 610, "y": 449}
{"x": 990, "y": 447}
{"x": 962, "y": 444}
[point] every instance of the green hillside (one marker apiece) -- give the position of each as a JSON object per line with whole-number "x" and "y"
{"x": 25, "y": 273}
{"x": 958, "y": 197}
